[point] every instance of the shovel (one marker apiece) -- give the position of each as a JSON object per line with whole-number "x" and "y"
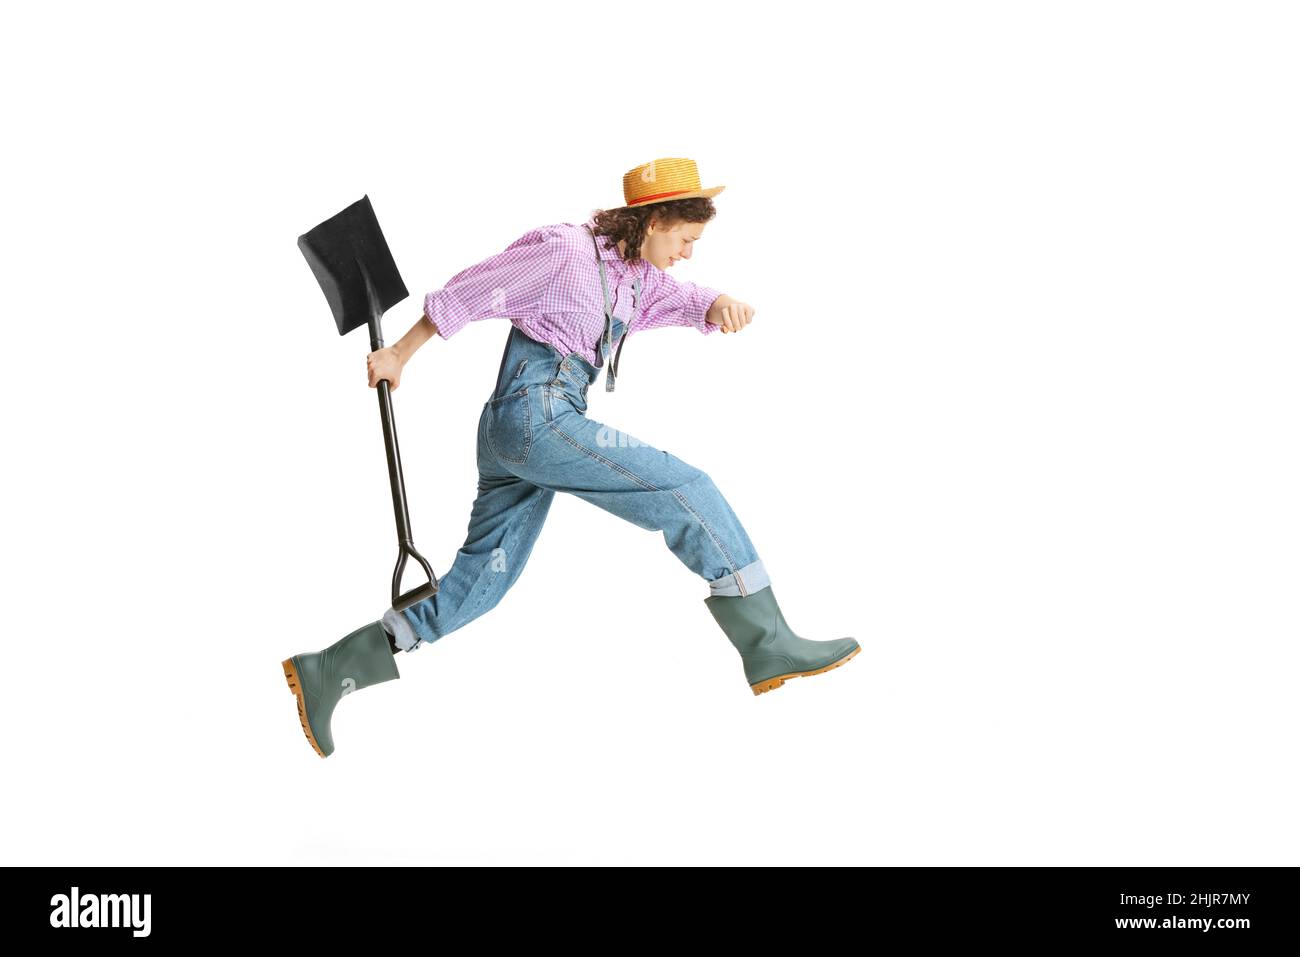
{"x": 351, "y": 261}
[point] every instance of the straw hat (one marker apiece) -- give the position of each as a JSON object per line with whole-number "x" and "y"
{"x": 664, "y": 179}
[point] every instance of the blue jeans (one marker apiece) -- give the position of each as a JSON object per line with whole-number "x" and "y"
{"x": 535, "y": 439}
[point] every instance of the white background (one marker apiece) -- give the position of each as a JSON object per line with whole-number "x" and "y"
{"x": 1017, "y": 410}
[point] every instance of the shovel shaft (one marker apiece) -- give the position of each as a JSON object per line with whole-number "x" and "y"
{"x": 398, "y": 485}
{"x": 394, "y": 463}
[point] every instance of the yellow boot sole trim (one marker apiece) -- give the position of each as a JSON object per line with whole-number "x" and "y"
{"x": 291, "y": 676}
{"x": 771, "y": 684}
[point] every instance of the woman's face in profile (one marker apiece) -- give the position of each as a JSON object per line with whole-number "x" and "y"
{"x": 664, "y": 246}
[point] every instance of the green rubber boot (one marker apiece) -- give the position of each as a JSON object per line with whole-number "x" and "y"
{"x": 770, "y": 651}
{"x": 319, "y": 680}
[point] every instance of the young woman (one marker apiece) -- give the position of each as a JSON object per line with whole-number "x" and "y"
{"x": 573, "y": 294}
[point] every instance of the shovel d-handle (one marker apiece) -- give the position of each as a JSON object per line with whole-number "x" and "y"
{"x": 420, "y": 592}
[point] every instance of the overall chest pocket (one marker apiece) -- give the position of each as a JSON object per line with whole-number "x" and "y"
{"x": 510, "y": 426}
{"x": 623, "y": 299}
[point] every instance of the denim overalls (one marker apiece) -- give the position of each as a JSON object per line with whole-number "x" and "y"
{"x": 535, "y": 439}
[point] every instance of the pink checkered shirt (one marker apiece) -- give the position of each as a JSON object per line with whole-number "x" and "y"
{"x": 547, "y": 283}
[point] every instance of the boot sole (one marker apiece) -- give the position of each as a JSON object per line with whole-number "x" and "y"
{"x": 771, "y": 684}
{"x": 295, "y": 685}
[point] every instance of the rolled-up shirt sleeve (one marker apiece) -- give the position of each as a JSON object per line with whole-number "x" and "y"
{"x": 510, "y": 284}
{"x": 672, "y": 303}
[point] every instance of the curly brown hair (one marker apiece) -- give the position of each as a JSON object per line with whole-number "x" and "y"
{"x": 628, "y": 223}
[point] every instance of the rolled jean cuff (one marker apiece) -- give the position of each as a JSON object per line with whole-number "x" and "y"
{"x": 404, "y": 635}
{"x": 743, "y": 581}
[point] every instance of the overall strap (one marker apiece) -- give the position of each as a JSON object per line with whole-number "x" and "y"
{"x": 611, "y": 370}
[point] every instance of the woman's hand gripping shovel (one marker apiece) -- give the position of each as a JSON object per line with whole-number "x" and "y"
{"x": 356, "y": 272}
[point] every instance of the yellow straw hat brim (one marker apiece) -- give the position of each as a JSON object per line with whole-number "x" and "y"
{"x": 713, "y": 191}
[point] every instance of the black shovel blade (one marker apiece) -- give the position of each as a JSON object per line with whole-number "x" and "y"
{"x": 350, "y": 257}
